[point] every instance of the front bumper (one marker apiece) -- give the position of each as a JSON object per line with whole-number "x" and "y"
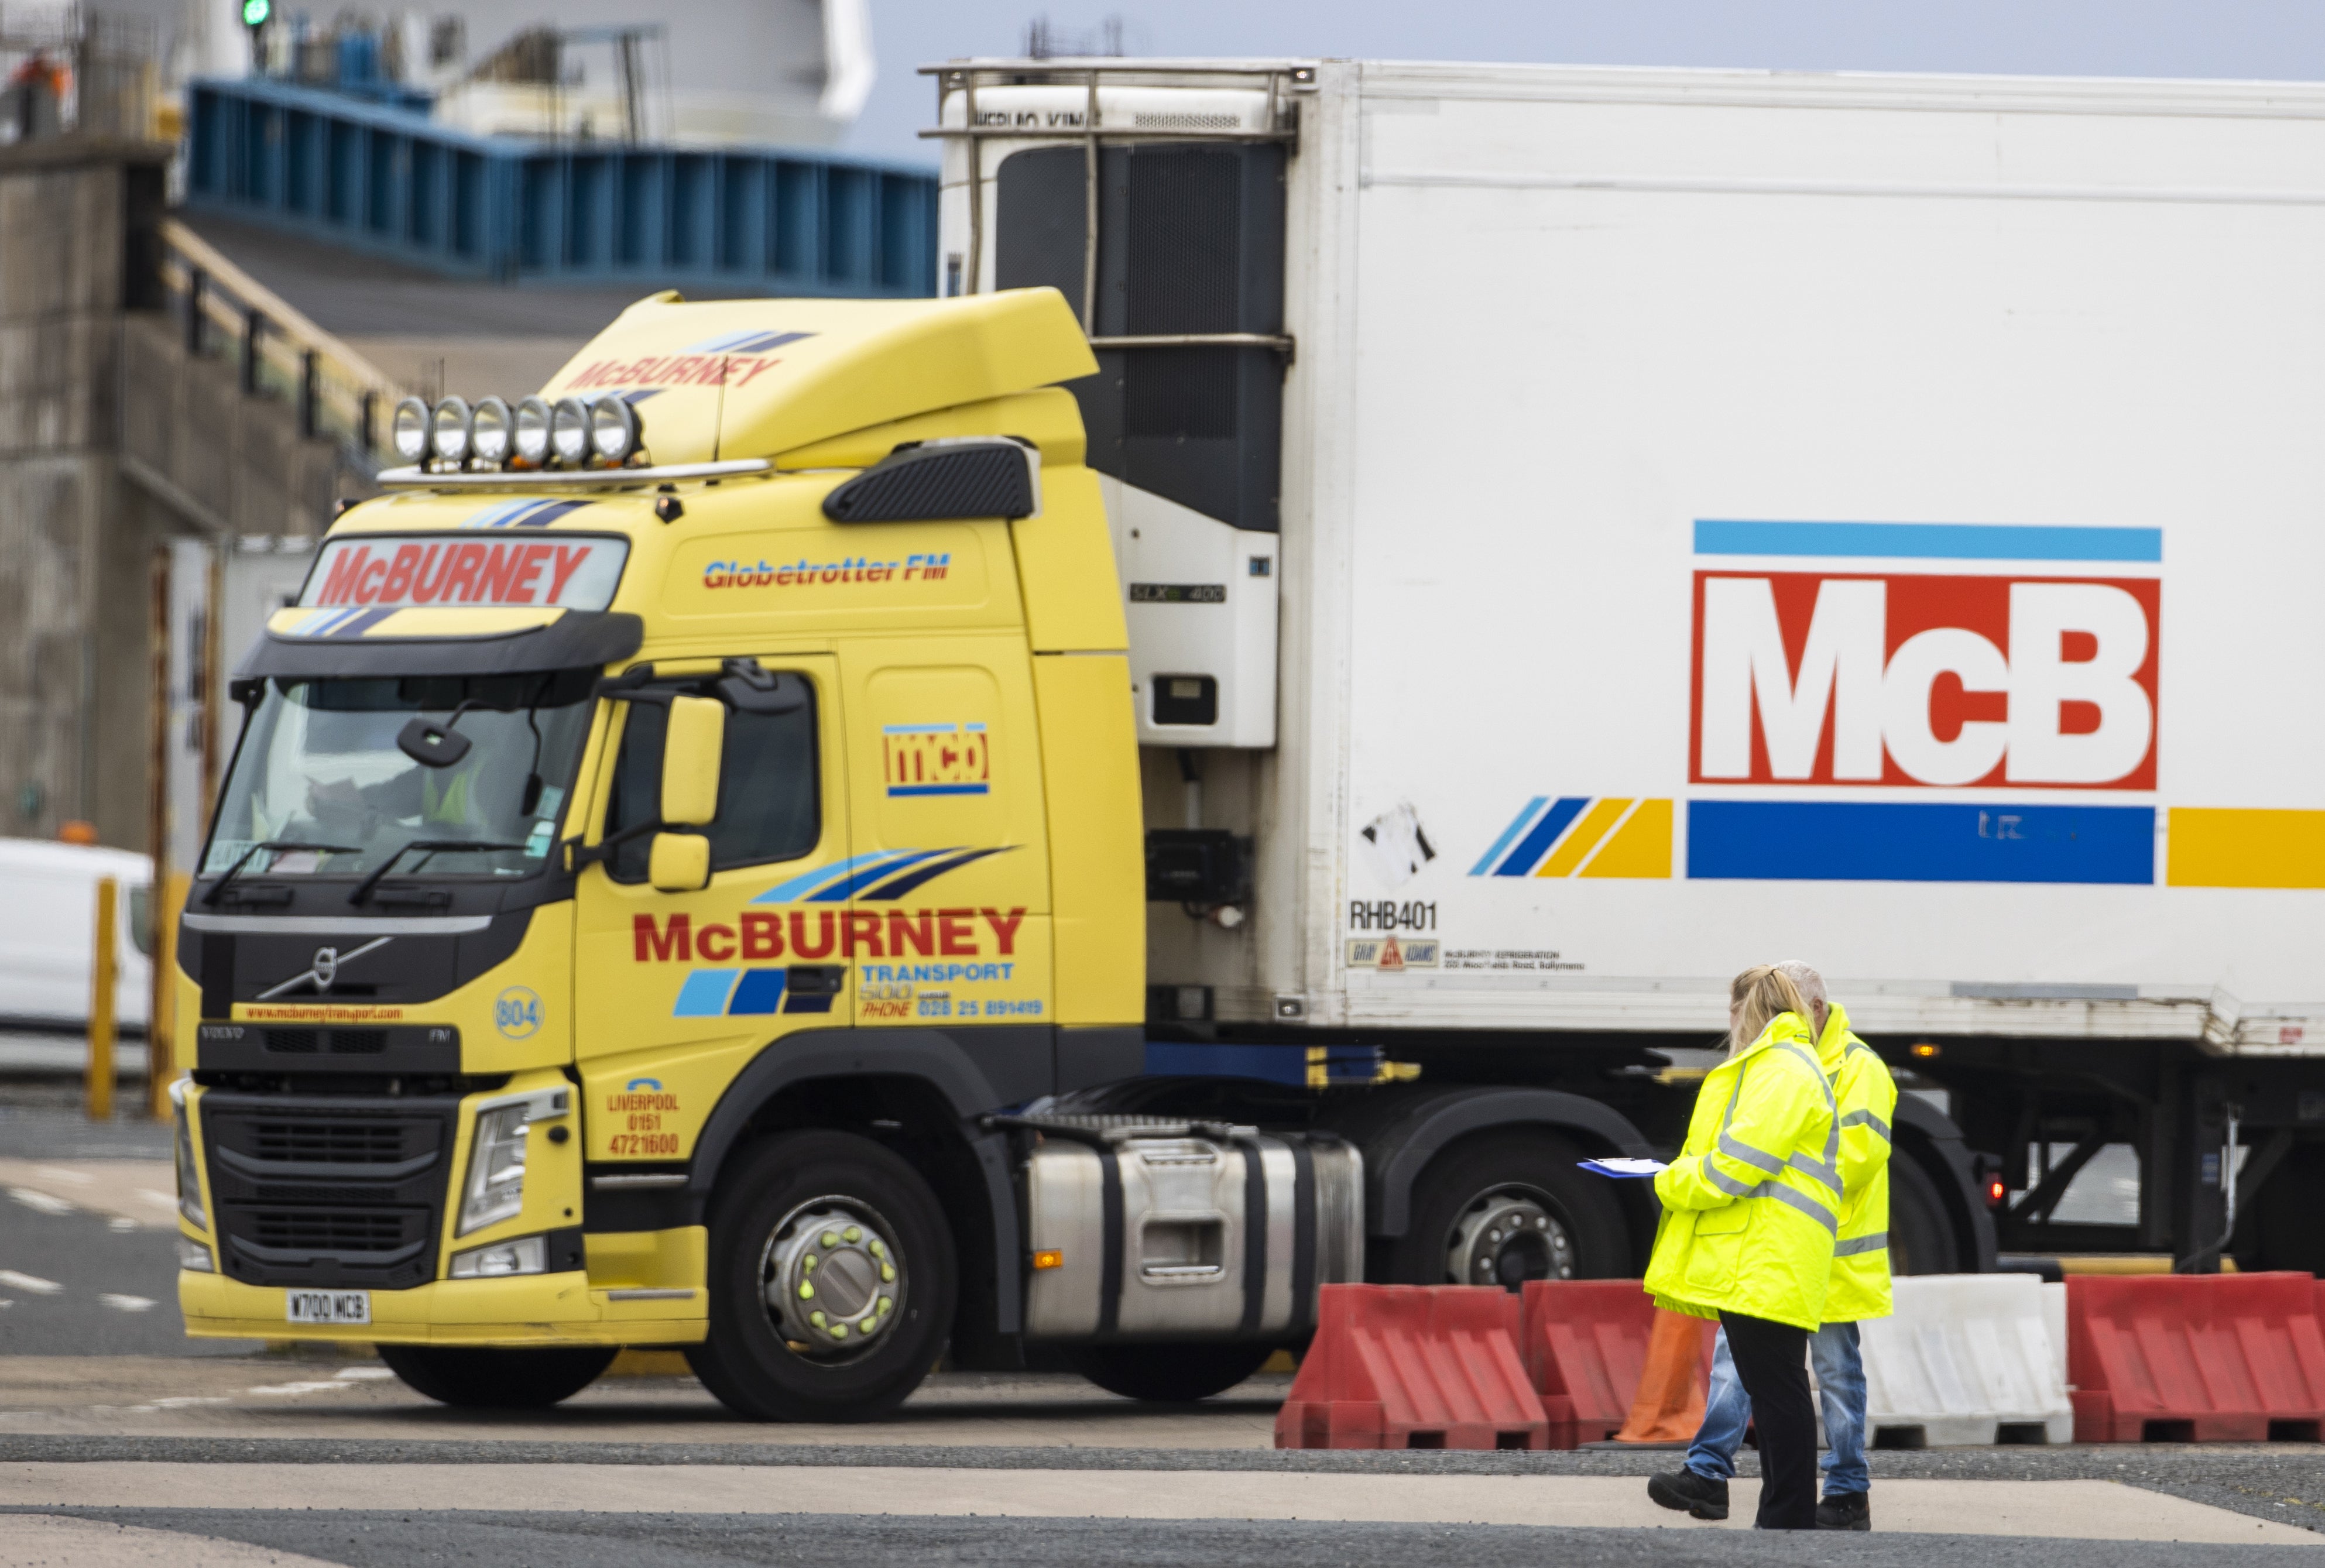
{"x": 539, "y": 1309}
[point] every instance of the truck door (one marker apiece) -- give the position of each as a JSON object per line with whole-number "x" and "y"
{"x": 951, "y": 919}
{"x": 675, "y": 991}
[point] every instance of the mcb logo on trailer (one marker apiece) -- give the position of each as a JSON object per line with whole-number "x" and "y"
{"x": 1923, "y": 657}
{"x": 1919, "y": 678}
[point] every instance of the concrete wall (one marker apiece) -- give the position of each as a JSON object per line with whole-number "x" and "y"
{"x": 113, "y": 441}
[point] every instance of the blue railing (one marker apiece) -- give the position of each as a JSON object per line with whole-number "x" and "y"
{"x": 389, "y": 183}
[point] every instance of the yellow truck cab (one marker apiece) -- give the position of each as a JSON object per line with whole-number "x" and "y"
{"x": 671, "y": 823}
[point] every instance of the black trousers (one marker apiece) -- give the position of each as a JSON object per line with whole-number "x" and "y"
{"x": 1772, "y": 1362}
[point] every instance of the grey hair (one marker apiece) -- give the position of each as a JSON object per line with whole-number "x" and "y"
{"x": 1805, "y": 981}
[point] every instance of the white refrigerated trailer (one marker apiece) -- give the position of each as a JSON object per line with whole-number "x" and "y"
{"x": 1588, "y": 531}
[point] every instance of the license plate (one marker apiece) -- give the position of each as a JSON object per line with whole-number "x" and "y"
{"x": 328, "y": 1306}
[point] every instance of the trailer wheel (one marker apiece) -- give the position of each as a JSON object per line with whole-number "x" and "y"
{"x": 1508, "y": 1208}
{"x": 831, "y": 1281}
{"x": 1169, "y": 1374}
{"x": 477, "y": 1378}
{"x": 1920, "y": 1235}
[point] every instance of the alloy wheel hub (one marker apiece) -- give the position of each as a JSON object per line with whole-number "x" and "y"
{"x": 1506, "y": 1238}
{"x": 832, "y": 1277}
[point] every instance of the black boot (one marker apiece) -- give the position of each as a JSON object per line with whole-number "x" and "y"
{"x": 1689, "y": 1493}
{"x": 1849, "y": 1511}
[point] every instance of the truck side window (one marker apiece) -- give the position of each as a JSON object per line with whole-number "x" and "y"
{"x": 769, "y": 804}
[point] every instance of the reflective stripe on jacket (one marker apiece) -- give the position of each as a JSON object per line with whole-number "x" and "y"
{"x": 1867, "y": 1098}
{"x": 1753, "y": 1202}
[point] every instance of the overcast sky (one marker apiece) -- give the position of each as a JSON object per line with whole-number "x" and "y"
{"x": 2283, "y": 38}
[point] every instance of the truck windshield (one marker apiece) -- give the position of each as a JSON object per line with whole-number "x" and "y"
{"x": 319, "y": 766}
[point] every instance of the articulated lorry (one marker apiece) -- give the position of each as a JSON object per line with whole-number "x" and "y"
{"x": 1229, "y": 751}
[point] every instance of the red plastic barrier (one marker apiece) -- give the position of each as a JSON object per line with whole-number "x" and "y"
{"x": 1408, "y": 1366}
{"x": 2227, "y": 1357}
{"x": 1586, "y": 1343}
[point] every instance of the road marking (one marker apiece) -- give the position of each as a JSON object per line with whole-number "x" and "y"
{"x": 2063, "y": 1510}
{"x": 31, "y": 1281}
{"x": 296, "y": 1388}
{"x": 167, "y": 1200}
{"x": 365, "y": 1374}
{"x": 126, "y": 1303}
{"x": 118, "y": 1223}
{"x": 102, "y": 1543}
{"x": 43, "y": 1201}
{"x": 80, "y": 1178}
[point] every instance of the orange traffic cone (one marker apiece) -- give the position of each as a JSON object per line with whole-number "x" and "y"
{"x": 1668, "y": 1404}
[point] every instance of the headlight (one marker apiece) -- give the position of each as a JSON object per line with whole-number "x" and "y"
{"x": 526, "y": 1255}
{"x": 614, "y": 430}
{"x": 195, "y": 1257}
{"x": 409, "y": 430}
{"x": 569, "y": 431}
{"x": 447, "y": 430}
{"x": 489, "y": 431}
{"x": 190, "y": 1174}
{"x": 532, "y": 422}
{"x": 495, "y": 1190}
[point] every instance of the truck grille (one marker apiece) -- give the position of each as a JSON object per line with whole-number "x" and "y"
{"x": 334, "y": 1192}
{"x": 332, "y": 1229}
{"x": 338, "y": 1143}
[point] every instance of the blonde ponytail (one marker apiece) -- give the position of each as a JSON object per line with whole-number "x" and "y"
{"x": 1756, "y": 996}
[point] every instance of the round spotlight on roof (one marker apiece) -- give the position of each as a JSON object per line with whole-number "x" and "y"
{"x": 569, "y": 431}
{"x": 532, "y": 420}
{"x": 614, "y": 430}
{"x": 407, "y": 430}
{"x": 447, "y": 430}
{"x": 489, "y": 430}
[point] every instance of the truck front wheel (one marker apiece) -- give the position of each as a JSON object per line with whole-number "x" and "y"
{"x": 479, "y": 1378}
{"x": 831, "y": 1281}
{"x": 1508, "y": 1207}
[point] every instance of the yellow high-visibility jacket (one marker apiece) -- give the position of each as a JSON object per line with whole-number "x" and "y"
{"x": 1753, "y": 1202}
{"x": 1866, "y": 1095}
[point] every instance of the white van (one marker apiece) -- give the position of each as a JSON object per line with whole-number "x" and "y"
{"x": 48, "y": 911}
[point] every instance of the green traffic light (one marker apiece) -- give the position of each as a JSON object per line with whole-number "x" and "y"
{"x": 254, "y": 12}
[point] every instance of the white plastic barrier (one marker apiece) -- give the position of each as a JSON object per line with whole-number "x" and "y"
{"x": 1969, "y": 1359}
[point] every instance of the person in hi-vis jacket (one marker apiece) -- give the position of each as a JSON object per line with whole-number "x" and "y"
{"x": 1866, "y": 1099}
{"x": 1751, "y": 1209}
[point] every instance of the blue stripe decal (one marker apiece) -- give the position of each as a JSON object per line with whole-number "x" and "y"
{"x": 746, "y": 340}
{"x": 354, "y": 624}
{"x": 785, "y": 892}
{"x": 961, "y": 789}
{"x": 762, "y": 991}
{"x": 498, "y": 514}
{"x": 704, "y": 994}
{"x": 1517, "y": 825}
{"x": 1534, "y": 845}
{"x": 1928, "y": 540}
{"x": 546, "y": 513}
{"x": 919, "y": 874}
{"x": 1882, "y": 841}
{"x": 862, "y": 879}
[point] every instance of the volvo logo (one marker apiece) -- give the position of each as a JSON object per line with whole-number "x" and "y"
{"x": 323, "y": 972}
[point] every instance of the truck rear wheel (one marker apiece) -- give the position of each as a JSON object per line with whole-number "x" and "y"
{"x": 831, "y": 1281}
{"x": 1921, "y": 1236}
{"x": 1506, "y": 1208}
{"x": 494, "y": 1378}
{"x": 1169, "y": 1374}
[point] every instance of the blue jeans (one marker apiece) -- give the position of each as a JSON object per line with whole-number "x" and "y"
{"x": 1840, "y": 1386}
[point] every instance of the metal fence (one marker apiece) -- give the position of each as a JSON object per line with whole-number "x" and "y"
{"x": 225, "y": 313}
{"x": 390, "y": 182}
